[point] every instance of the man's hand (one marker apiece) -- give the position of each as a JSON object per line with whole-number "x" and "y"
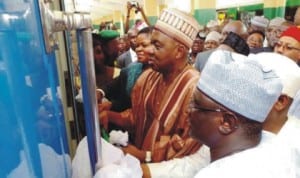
{"x": 103, "y": 117}
{"x": 146, "y": 171}
{"x": 138, "y": 7}
{"x": 106, "y": 105}
{"x": 130, "y": 149}
{"x": 129, "y": 6}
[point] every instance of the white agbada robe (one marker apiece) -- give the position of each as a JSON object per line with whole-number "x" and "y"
{"x": 267, "y": 160}
{"x": 289, "y": 136}
{"x": 114, "y": 164}
{"x": 186, "y": 167}
{"x": 189, "y": 166}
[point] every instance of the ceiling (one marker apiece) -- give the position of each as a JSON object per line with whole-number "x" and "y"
{"x": 104, "y": 7}
{"x": 100, "y": 8}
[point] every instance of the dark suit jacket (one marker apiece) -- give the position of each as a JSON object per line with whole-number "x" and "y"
{"x": 118, "y": 91}
{"x": 259, "y": 50}
{"x": 124, "y": 59}
{"x": 202, "y": 58}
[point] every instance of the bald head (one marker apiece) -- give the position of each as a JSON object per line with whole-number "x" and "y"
{"x": 236, "y": 27}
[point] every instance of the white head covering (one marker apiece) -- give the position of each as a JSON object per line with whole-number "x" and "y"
{"x": 241, "y": 85}
{"x": 260, "y": 21}
{"x": 277, "y": 21}
{"x": 287, "y": 70}
{"x": 213, "y": 36}
{"x": 212, "y": 23}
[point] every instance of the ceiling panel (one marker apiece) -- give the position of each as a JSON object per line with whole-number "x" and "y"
{"x": 106, "y": 7}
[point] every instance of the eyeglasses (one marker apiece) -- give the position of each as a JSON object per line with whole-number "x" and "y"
{"x": 286, "y": 46}
{"x": 225, "y": 113}
{"x": 193, "y": 107}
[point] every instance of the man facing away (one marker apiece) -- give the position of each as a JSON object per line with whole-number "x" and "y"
{"x": 285, "y": 126}
{"x": 236, "y": 27}
{"x": 161, "y": 94}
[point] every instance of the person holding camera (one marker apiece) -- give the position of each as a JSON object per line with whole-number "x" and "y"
{"x": 139, "y": 24}
{"x": 130, "y": 56}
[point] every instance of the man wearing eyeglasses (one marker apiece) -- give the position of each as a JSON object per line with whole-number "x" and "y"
{"x": 226, "y": 114}
{"x": 289, "y": 44}
{"x": 278, "y": 121}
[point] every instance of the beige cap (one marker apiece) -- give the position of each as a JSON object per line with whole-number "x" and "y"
{"x": 178, "y": 25}
{"x": 260, "y": 21}
{"x": 277, "y": 21}
{"x": 213, "y": 36}
{"x": 212, "y": 23}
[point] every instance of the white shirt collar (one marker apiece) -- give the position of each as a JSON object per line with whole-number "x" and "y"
{"x": 133, "y": 55}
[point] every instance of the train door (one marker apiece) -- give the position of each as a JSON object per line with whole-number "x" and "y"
{"x": 34, "y": 138}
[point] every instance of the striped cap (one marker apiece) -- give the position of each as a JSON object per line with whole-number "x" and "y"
{"x": 178, "y": 25}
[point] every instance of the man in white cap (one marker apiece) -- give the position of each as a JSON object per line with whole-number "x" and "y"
{"x": 227, "y": 114}
{"x": 258, "y": 23}
{"x": 289, "y": 74}
{"x": 161, "y": 94}
{"x": 279, "y": 122}
{"x": 257, "y": 30}
{"x": 189, "y": 165}
{"x": 212, "y": 40}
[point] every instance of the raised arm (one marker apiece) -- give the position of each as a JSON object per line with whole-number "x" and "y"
{"x": 129, "y": 7}
{"x": 140, "y": 9}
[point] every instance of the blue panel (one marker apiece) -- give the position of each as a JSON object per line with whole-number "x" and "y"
{"x": 33, "y": 136}
{"x": 89, "y": 96}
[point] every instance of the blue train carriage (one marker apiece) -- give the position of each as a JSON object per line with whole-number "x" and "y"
{"x": 37, "y": 138}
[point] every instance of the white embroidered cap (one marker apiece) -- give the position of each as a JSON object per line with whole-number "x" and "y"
{"x": 213, "y": 36}
{"x": 260, "y": 21}
{"x": 243, "y": 86}
{"x": 287, "y": 70}
{"x": 277, "y": 21}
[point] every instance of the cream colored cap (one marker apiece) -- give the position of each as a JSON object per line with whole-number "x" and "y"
{"x": 178, "y": 25}
{"x": 213, "y": 36}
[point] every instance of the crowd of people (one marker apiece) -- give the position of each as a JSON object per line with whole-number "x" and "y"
{"x": 203, "y": 102}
